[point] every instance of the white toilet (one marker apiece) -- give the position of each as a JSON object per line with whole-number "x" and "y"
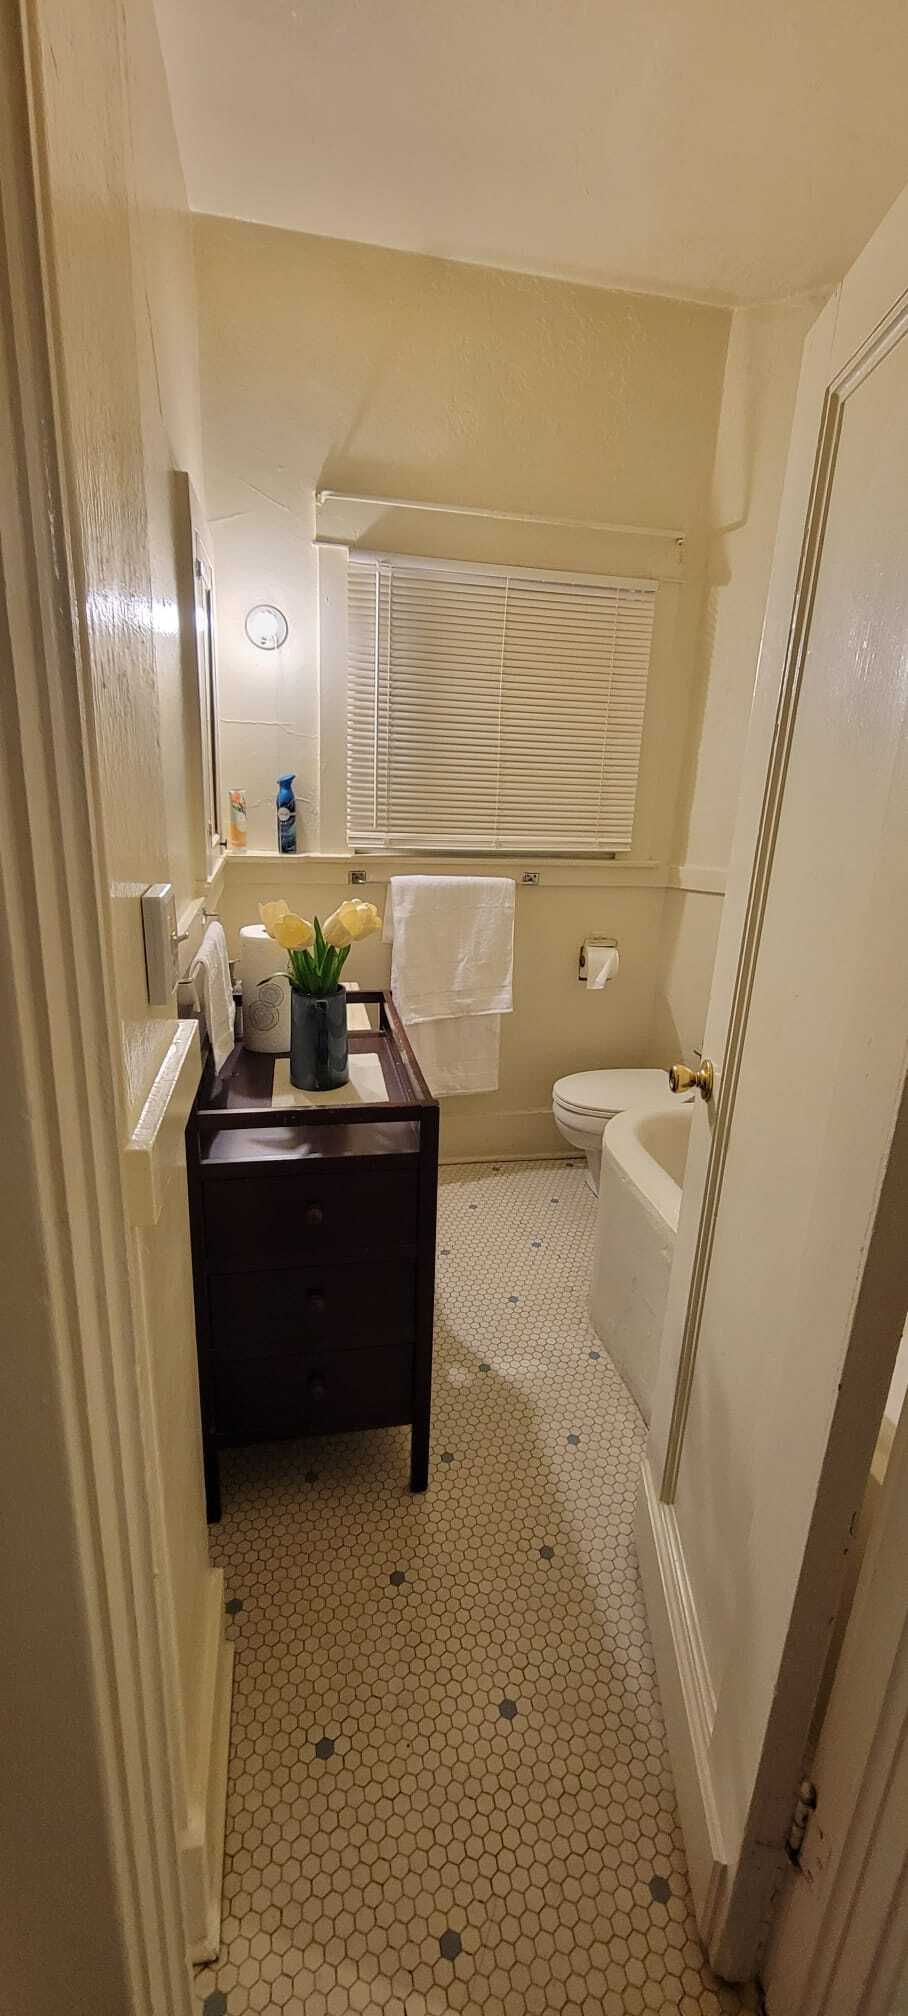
{"x": 584, "y": 1103}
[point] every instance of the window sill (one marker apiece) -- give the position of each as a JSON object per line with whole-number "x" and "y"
{"x": 429, "y": 858}
{"x": 554, "y": 870}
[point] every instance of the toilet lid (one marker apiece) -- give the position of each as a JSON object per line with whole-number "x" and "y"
{"x": 608, "y": 1091}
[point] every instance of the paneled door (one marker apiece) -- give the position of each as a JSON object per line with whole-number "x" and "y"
{"x": 839, "y": 1941}
{"x": 790, "y": 1280}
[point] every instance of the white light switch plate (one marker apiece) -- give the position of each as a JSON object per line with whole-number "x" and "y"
{"x": 159, "y": 924}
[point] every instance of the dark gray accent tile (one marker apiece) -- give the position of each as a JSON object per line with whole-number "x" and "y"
{"x": 215, "y": 2004}
{"x": 660, "y": 1889}
{"x": 324, "y": 1747}
{"x": 484, "y": 1367}
{"x": 449, "y": 1945}
{"x": 234, "y": 1607}
{"x": 574, "y": 1441}
{"x": 513, "y": 1298}
{"x": 596, "y": 1355}
{"x": 397, "y": 1579}
{"x": 546, "y": 1553}
{"x": 310, "y": 1477}
{"x": 536, "y": 1242}
{"x": 507, "y": 1709}
{"x": 446, "y": 1456}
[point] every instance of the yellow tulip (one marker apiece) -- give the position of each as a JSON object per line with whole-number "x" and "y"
{"x": 271, "y": 913}
{"x": 294, "y": 933}
{"x": 351, "y": 920}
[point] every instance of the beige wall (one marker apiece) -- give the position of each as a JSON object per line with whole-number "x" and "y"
{"x": 761, "y": 376}
{"x": 558, "y": 1024}
{"x": 689, "y": 922}
{"x": 121, "y": 266}
{"x": 351, "y": 368}
{"x": 348, "y": 367}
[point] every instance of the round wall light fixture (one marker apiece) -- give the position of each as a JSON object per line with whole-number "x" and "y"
{"x": 266, "y": 626}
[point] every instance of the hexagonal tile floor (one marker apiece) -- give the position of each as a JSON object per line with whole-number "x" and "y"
{"x": 449, "y": 1787}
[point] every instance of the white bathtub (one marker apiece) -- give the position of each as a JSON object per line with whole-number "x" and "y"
{"x": 644, "y": 1152}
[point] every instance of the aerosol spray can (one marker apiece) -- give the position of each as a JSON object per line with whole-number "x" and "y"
{"x": 286, "y": 815}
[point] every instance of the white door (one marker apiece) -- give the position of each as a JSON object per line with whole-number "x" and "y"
{"x": 791, "y": 1271}
{"x": 840, "y": 1938}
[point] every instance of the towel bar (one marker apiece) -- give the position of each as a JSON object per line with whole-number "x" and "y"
{"x": 359, "y": 877}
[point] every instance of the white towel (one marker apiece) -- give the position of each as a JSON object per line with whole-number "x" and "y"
{"x": 453, "y": 938}
{"x": 459, "y": 1054}
{"x": 210, "y": 970}
{"x": 451, "y": 973}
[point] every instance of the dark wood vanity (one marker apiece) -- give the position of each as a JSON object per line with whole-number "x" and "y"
{"x": 313, "y": 1244}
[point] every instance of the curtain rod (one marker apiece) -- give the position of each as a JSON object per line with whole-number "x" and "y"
{"x": 512, "y": 517}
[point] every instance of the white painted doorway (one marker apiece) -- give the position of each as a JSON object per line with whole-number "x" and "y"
{"x": 790, "y": 1280}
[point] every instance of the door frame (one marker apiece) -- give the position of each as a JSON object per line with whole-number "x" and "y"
{"x": 66, "y": 1052}
{"x": 733, "y": 1906}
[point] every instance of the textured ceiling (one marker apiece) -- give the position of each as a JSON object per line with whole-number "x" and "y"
{"x": 711, "y": 149}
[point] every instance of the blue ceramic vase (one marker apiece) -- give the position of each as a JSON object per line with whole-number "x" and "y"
{"x": 318, "y": 1040}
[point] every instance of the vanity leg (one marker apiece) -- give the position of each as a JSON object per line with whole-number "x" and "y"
{"x": 425, "y": 1299}
{"x": 419, "y": 1455}
{"x": 212, "y": 1465}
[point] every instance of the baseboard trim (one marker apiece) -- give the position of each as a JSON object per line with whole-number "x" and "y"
{"x": 492, "y": 1159}
{"x": 495, "y": 1136}
{"x": 688, "y": 1698}
{"x": 201, "y": 1844}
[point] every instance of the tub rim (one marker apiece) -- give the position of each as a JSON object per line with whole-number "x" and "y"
{"x": 623, "y": 1149}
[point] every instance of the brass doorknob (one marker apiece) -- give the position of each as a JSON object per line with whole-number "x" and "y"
{"x": 681, "y": 1079}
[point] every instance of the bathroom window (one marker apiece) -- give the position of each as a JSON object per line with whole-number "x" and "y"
{"x": 493, "y": 709}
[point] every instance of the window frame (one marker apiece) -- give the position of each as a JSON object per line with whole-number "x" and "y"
{"x": 198, "y": 644}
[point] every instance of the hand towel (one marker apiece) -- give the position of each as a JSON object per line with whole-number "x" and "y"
{"x": 451, "y": 973}
{"x": 458, "y": 1054}
{"x": 211, "y": 972}
{"x": 453, "y": 939}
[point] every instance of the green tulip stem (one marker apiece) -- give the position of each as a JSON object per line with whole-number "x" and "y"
{"x": 318, "y": 969}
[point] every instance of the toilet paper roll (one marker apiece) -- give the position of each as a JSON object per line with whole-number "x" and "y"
{"x": 602, "y": 964}
{"x": 266, "y": 993}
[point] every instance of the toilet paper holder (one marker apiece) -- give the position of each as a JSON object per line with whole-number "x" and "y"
{"x": 606, "y": 944}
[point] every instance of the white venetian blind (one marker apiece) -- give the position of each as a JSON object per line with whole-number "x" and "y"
{"x": 493, "y": 709}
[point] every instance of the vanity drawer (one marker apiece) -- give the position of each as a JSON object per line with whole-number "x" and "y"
{"x": 314, "y": 1392}
{"x": 282, "y": 1220}
{"x": 361, "y": 1303}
